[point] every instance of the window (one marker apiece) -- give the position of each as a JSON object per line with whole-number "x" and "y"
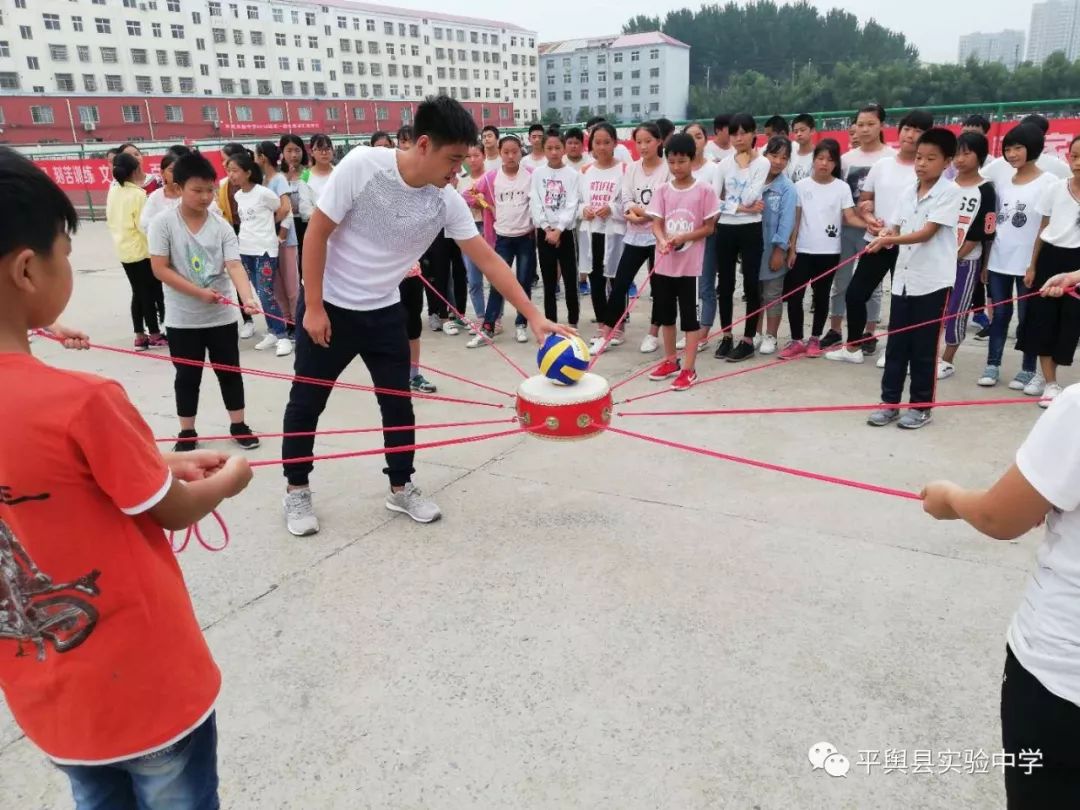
{"x": 438, "y": 33}
{"x": 277, "y": 14}
{"x": 222, "y": 60}
{"x": 257, "y": 38}
{"x": 333, "y": 113}
{"x": 89, "y": 82}
{"x": 174, "y": 113}
{"x": 88, "y": 114}
{"x": 283, "y": 63}
{"x": 584, "y": 95}
{"x": 370, "y": 25}
{"x": 58, "y": 53}
{"x": 298, "y": 40}
{"x": 163, "y": 58}
{"x": 143, "y": 84}
{"x": 264, "y": 87}
{"x": 25, "y": 32}
{"x": 414, "y": 50}
{"x": 376, "y": 69}
{"x": 215, "y": 10}
{"x": 276, "y": 113}
{"x": 9, "y": 81}
{"x": 83, "y": 52}
{"x": 173, "y": 5}
{"x": 316, "y": 65}
{"x": 238, "y": 37}
{"x": 654, "y": 53}
{"x": 601, "y": 92}
{"x": 204, "y": 70}
{"x": 196, "y": 18}
{"x": 381, "y": 113}
{"x": 551, "y": 97}
{"x": 166, "y": 84}
{"x": 388, "y": 28}
{"x": 228, "y": 86}
{"x": 390, "y": 49}
{"x": 138, "y": 56}
{"x": 253, "y": 12}
{"x": 108, "y": 56}
{"x": 654, "y": 73}
{"x": 359, "y": 46}
{"x": 373, "y": 48}
{"x": 392, "y": 70}
{"x": 309, "y": 17}
{"x": 654, "y": 89}
{"x": 565, "y": 78}
{"x": 304, "y": 113}
{"x": 584, "y": 77}
{"x": 635, "y": 90}
{"x": 103, "y": 25}
{"x": 393, "y": 90}
{"x": 65, "y": 82}
{"x": 177, "y": 31}
{"x": 218, "y": 35}
{"x": 359, "y": 113}
{"x": 313, "y": 42}
{"x": 347, "y": 68}
{"x": 635, "y": 56}
{"x": 155, "y": 30}
{"x": 414, "y": 31}
{"x": 300, "y": 64}
{"x": 242, "y": 112}
{"x": 342, "y": 22}
{"x": 401, "y": 29}
{"x": 635, "y": 74}
{"x": 363, "y": 90}
{"x": 187, "y": 84}
{"x": 361, "y": 68}
{"x": 288, "y": 88}
{"x": 550, "y": 79}
{"x": 42, "y": 114}
{"x": 260, "y": 62}
{"x": 132, "y": 113}
{"x": 76, "y": 23}
{"x": 568, "y": 95}
{"x": 52, "y": 21}
{"x": 617, "y": 92}
{"x": 376, "y": 89}
{"x": 618, "y": 74}
{"x": 635, "y": 108}
{"x": 183, "y": 59}
{"x": 350, "y": 89}
{"x": 114, "y": 84}
{"x": 345, "y": 45}
{"x": 601, "y": 59}
{"x": 618, "y": 58}
{"x": 303, "y": 88}
{"x": 279, "y": 39}
{"x": 134, "y": 28}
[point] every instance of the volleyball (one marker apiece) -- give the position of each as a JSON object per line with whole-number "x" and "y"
{"x": 563, "y": 360}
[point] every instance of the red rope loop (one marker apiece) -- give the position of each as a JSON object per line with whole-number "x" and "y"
{"x": 194, "y": 530}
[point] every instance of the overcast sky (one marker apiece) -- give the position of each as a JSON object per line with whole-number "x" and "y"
{"x": 933, "y": 25}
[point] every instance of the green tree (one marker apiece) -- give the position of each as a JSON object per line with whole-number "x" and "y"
{"x": 551, "y": 117}
{"x": 584, "y": 114}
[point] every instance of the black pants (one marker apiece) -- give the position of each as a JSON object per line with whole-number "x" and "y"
{"x": 441, "y": 263}
{"x": 555, "y": 261}
{"x": 301, "y": 229}
{"x": 633, "y": 256}
{"x": 810, "y": 266}
{"x": 412, "y": 301}
{"x": 734, "y": 242}
{"x": 1033, "y": 718}
{"x": 914, "y": 351}
{"x": 220, "y": 344}
{"x": 598, "y": 285}
{"x": 145, "y": 295}
{"x": 676, "y": 295}
{"x": 869, "y": 273}
{"x": 1052, "y": 325}
{"x": 378, "y": 337}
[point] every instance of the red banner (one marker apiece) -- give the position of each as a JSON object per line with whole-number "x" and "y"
{"x": 79, "y": 174}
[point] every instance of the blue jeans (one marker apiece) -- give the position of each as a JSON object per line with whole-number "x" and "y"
{"x": 180, "y": 777}
{"x": 707, "y": 284}
{"x": 476, "y": 281}
{"x": 1001, "y": 289}
{"x": 260, "y": 272}
{"x": 520, "y": 251}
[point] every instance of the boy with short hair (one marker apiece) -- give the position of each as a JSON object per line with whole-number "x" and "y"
{"x": 719, "y": 146}
{"x": 923, "y": 229}
{"x": 804, "y": 132}
{"x": 489, "y": 139}
{"x": 775, "y": 125}
{"x": 102, "y": 661}
{"x": 535, "y": 158}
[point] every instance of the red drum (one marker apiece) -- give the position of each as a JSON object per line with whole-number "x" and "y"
{"x": 553, "y": 411}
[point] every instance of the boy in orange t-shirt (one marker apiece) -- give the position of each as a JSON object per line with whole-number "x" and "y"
{"x": 102, "y": 661}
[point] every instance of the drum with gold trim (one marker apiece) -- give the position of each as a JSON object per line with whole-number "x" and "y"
{"x": 553, "y": 411}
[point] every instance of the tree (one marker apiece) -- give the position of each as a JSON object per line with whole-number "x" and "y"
{"x": 551, "y": 117}
{"x": 584, "y": 114}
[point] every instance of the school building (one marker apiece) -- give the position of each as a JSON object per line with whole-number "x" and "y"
{"x": 629, "y": 77}
{"x": 116, "y": 70}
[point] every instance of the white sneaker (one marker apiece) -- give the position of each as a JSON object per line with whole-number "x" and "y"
{"x": 1050, "y": 393}
{"x": 521, "y": 334}
{"x": 945, "y": 370}
{"x": 703, "y": 344}
{"x": 649, "y": 344}
{"x": 768, "y": 345}
{"x": 299, "y": 513}
{"x": 1036, "y": 387}
{"x": 597, "y": 346}
{"x": 881, "y": 361}
{"x": 619, "y": 338}
{"x": 411, "y": 501}
{"x": 479, "y": 339}
{"x": 844, "y": 356}
{"x": 680, "y": 344}
{"x": 268, "y": 342}
{"x": 284, "y": 347}
{"x": 435, "y": 323}
{"x": 450, "y": 328}
{"x": 247, "y": 330}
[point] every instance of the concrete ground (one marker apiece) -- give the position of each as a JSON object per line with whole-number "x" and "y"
{"x": 605, "y": 623}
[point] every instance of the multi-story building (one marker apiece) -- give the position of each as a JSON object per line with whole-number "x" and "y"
{"x": 119, "y": 68}
{"x": 629, "y": 77}
{"x": 1006, "y": 47}
{"x": 1055, "y": 26}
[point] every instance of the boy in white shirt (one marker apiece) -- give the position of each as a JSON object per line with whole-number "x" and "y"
{"x": 923, "y": 229}
{"x": 803, "y": 130}
{"x": 719, "y": 146}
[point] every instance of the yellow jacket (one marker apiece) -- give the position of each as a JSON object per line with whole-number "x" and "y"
{"x": 223, "y": 200}
{"x": 123, "y": 207}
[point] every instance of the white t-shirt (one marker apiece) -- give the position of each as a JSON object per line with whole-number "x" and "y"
{"x": 738, "y": 185}
{"x": 1019, "y": 218}
{"x": 553, "y": 197}
{"x": 1045, "y": 630}
{"x": 998, "y": 170}
{"x": 512, "y": 216}
{"x": 579, "y": 164}
{"x": 709, "y": 172}
{"x": 384, "y": 226}
{"x": 856, "y": 164}
{"x": 928, "y": 266}
{"x": 978, "y": 217}
{"x": 156, "y": 203}
{"x": 492, "y": 163}
{"x": 1061, "y": 206}
{"x": 317, "y": 184}
{"x": 258, "y": 232}
{"x": 890, "y": 181}
{"x": 602, "y": 187}
{"x": 800, "y": 166}
{"x": 534, "y": 160}
{"x": 622, "y": 154}
{"x": 822, "y": 207}
{"x": 638, "y": 189}
{"x": 716, "y": 153}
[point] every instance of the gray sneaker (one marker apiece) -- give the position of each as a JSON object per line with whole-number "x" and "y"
{"x": 299, "y": 513}
{"x": 915, "y": 418}
{"x": 883, "y": 416}
{"x": 412, "y": 502}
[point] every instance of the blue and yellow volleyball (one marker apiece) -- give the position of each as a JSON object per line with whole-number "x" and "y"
{"x": 563, "y": 360}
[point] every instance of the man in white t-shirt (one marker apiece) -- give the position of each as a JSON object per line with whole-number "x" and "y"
{"x": 803, "y": 130}
{"x": 719, "y": 146}
{"x": 378, "y": 213}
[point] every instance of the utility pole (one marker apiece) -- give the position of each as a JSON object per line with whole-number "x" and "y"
{"x": 708, "y": 70}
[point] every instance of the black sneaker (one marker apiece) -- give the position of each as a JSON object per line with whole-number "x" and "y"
{"x": 983, "y": 334}
{"x": 741, "y": 351}
{"x": 724, "y": 349}
{"x": 831, "y": 338}
{"x": 186, "y": 440}
{"x": 868, "y": 345}
{"x": 242, "y": 435}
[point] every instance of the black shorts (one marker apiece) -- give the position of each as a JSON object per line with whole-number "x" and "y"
{"x": 675, "y": 295}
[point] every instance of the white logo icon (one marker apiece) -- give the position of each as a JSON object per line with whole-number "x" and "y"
{"x": 819, "y": 752}
{"x": 837, "y": 765}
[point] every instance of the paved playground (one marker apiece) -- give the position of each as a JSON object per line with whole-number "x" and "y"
{"x": 595, "y": 624}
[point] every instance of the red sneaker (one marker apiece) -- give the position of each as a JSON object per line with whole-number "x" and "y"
{"x": 142, "y": 343}
{"x": 157, "y": 341}
{"x": 794, "y": 349}
{"x": 668, "y": 368}
{"x": 813, "y": 348}
{"x": 686, "y": 378}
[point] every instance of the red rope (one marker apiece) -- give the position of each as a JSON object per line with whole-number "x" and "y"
{"x": 629, "y": 308}
{"x": 347, "y": 431}
{"x": 477, "y": 329}
{"x": 387, "y": 450}
{"x": 829, "y": 479}
{"x": 195, "y": 531}
{"x": 466, "y": 380}
{"x": 726, "y": 375}
{"x": 831, "y": 408}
